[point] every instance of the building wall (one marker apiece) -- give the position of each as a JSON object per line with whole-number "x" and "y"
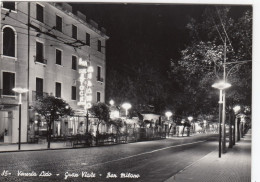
{"x": 50, "y": 72}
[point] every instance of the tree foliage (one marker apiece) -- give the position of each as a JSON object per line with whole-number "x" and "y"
{"x": 143, "y": 87}
{"x": 52, "y": 109}
{"x": 201, "y": 62}
{"x": 101, "y": 111}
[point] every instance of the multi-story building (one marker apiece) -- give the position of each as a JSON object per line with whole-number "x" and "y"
{"x": 45, "y": 47}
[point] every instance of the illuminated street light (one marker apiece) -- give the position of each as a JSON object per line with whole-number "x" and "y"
{"x": 221, "y": 85}
{"x": 168, "y": 114}
{"x": 20, "y": 91}
{"x": 126, "y": 106}
{"x": 190, "y": 118}
{"x": 111, "y": 102}
{"x": 236, "y": 109}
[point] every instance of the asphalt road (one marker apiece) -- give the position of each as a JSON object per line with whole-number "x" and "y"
{"x": 143, "y": 161}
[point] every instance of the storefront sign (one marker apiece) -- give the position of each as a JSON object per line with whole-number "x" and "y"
{"x": 82, "y": 79}
{"x": 83, "y": 62}
{"x": 85, "y": 90}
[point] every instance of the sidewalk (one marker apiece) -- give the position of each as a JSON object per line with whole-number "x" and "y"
{"x": 29, "y": 147}
{"x": 59, "y": 145}
{"x": 233, "y": 166}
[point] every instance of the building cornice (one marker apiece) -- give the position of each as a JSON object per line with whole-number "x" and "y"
{"x": 101, "y": 33}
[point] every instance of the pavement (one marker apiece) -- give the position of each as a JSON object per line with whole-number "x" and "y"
{"x": 30, "y": 147}
{"x": 233, "y": 166}
{"x": 54, "y": 145}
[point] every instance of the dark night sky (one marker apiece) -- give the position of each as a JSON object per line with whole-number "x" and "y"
{"x": 138, "y": 32}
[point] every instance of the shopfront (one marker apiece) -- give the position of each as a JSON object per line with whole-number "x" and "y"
{"x": 6, "y": 121}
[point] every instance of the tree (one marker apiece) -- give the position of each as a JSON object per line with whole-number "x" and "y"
{"x": 118, "y": 123}
{"x": 102, "y": 112}
{"x": 201, "y": 61}
{"x": 52, "y": 109}
{"x": 142, "y": 85}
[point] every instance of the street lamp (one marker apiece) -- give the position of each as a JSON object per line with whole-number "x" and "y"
{"x": 190, "y": 118}
{"x": 236, "y": 109}
{"x": 111, "y": 102}
{"x": 168, "y": 114}
{"x": 221, "y": 85}
{"x": 126, "y": 106}
{"x": 20, "y": 91}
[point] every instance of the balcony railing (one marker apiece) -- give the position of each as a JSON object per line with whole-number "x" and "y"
{"x": 36, "y": 95}
{"x": 40, "y": 60}
{"x": 6, "y": 93}
{"x": 100, "y": 79}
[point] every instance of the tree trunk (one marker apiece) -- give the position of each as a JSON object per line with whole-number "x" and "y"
{"x": 234, "y": 129}
{"x": 49, "y": 135}
{"x": 183, "y": 130}
{"x": 238, "y": 129}
{"x": 97, "y": 133}
{"x": 230, "y": 130}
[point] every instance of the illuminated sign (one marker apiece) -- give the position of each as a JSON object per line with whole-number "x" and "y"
{"x": 83, "y": 62}
{"x": 85, "y": 91}
{"x": 82, "y": 79}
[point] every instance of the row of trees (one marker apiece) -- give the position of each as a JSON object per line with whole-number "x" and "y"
{"x": 186, "y": 89}
{"x": 53, "y": 109}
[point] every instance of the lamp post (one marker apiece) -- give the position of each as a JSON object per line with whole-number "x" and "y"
{"x": 190, "y": 118}
{"x": 20, "y": 91}
{"x": 126, "y": 106}
{"x": 236, "y": 110}
{"x": 168, "y": 114}
{"x": 222, "y": 85}
{"x": 111, "y": 102}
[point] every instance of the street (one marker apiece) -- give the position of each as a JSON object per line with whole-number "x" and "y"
{"x": 143, "y": 161}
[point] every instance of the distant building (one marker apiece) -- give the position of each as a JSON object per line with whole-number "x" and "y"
{"x": 47, "y": 47}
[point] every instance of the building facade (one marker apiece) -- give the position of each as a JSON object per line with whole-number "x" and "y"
{"x": 49, "y": 49}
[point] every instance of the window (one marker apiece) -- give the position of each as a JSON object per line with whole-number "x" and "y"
{"x": 39, "y": 52}
{"x": 8, "y": 42}
{"x": 74, "y": 62}
{"x": 74, "y": 32}
{"x": 99, "y": 45}
{"x": 8, "y": 83}
{"x": 98, "y": 96}
{"x": 87, "y": 39}
{"x": 39, "y": 87}
{"x": 73, "y": 93}
{"x": 98, "y": 73}
{"x": 58, "y": 89}
{"x": 9, "y": 5}
{"x": 58, "y": 23}
{"x": 58, "y": 56}
{"x": 39, "y": 13}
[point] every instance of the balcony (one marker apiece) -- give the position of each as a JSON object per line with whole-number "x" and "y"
{"x": 41, "y": 60}
{"x": 100, "y": 79}
{"x": 7, "y": 93}
{"x": 36, "y": 95}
